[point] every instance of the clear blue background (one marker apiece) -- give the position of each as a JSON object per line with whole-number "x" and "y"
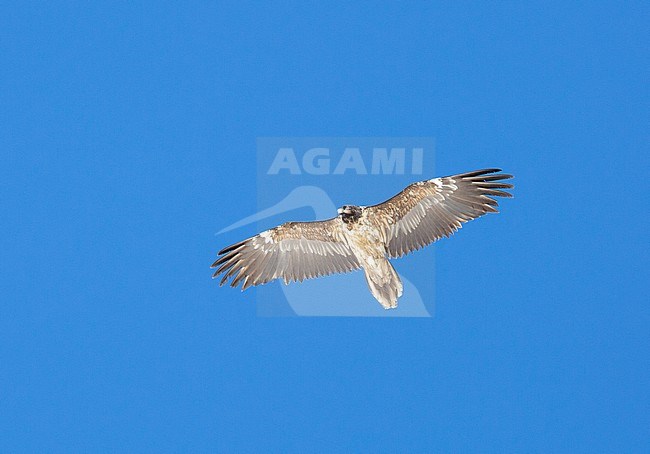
{"x": 127, "y": 139}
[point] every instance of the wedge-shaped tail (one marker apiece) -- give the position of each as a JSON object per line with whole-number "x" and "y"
{"x": 384, "y": 283}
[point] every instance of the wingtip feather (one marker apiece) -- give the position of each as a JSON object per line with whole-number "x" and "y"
{"x": 231, "y": 247}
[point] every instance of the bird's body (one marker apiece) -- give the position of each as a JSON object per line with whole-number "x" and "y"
{"x": 365, "y": 237}
{"x": 366, "y": 241}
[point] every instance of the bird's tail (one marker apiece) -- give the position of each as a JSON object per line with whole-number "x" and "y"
{"x": 384, "y": 283}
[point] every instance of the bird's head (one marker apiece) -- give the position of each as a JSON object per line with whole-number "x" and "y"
{"x": 349, "y": 213}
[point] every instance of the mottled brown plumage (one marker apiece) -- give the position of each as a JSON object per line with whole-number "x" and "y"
{"x": 365, "y": 237}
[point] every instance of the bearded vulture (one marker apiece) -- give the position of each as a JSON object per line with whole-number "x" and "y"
{"x": 365, "y": 236}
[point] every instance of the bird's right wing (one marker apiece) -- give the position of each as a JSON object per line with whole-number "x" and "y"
{"x": 293, "y": 252}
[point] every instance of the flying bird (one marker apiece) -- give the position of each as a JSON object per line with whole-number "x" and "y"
{"x": 365, "y": 236}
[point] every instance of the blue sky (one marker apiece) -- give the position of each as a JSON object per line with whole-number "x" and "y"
{"x": 128, "y": 137}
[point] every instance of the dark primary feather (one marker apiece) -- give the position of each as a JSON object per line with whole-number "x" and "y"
{"x": 293, "y": 252}
{"x": 428, "y": 210}
{"x": 419, "y": 215}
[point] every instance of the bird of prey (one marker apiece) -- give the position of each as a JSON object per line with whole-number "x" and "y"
{"x": 365, "y": 236}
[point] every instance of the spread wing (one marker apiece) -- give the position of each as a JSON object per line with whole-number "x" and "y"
{"x": 293, "y": 251}
{"x": 428, "y": 210}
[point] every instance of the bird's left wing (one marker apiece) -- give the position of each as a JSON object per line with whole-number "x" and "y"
{"x": 293, "y": 251}
{"x": 428, "y": 210}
